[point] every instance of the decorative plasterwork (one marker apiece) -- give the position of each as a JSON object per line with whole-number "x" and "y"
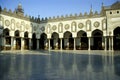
{"x": 48, "y": 28}
{"x": 54, "y": 27}
{"x": 22, "y": 26}
{"x": 67, "y": 26}
{"x": 104, "y": 24}
{"x": 60, "y": 27}
{"x": 1, "y": 21}
{"x": 18, "y": 25}
{"x": 42, "y": 28}
{"x": 96, "y": 24}
{"x": 73, "y": 27}
{"x": 12, "y": 24}
{"x": 80, "y": 25}
{"x": 88, "y": 25}
{"x": 7, "y": 23}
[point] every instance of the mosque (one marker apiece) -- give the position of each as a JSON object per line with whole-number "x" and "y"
{"x": 88, "y": 31}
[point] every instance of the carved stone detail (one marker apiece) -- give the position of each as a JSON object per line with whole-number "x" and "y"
{"x": 7, "y": 22}
{"x": 12, "y": 24}
{"x": 80, "y": 25}
{"x": 96, "y": 24}
{"x": 60, "y": 27}
{"x": 67, "y": 26}
{"x": 54, "y": 27}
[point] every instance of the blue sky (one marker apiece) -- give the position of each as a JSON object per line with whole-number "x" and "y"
{"x": 50, "y": 8}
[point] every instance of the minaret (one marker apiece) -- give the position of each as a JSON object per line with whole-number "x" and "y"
{"x": 102, "y": 10}
{"x": 91, "y": 12}
{"x": 20, "y": 10}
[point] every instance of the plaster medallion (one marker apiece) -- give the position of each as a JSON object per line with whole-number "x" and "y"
{"x": 96, "y": 24}
{"x": 54, "y": 27}
{"x": 43, "y": 28}
{"x": 80, "y": 25}
{"x": 67, "y": 26}
{"x": 7, "y": 22}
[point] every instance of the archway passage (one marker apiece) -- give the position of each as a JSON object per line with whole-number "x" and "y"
{"x": 55, "y": 41}
{"x": 68, "y": 40}
{"x": 43, "y": 41}
{"x": 26, "y": 41}
{"x": 17, "y": 40}
{"x": 82, "y": 40}
{"x": 117, "y": 38}
{"x": 34, "y": 42}
{"x": 7, "y": 39}
{"x": 97, "y": 40}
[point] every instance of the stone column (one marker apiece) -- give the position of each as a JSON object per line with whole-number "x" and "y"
{"x": 61, "y": 43}
{"x": 109, "y": 43}
{"x": 74, "y": 43}
{"x": 112, "y": 43}
{"x": 105, "y": 43}
{"x": 89, "y": 44}
{"x": 12, "y": 43}
{"x": 37, "y": 44}
{"x": 30, "y": 44}
{"x": 49, "y": 43}
{"x": 22, "y": 43}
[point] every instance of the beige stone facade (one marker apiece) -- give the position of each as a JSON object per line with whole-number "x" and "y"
{"x": 89, "y": 31}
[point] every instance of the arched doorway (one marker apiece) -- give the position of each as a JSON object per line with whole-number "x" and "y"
{"x": 82, "y": 40}
{"x": 68, "y": 40}
{"x": 7, "y": 45}
{"x": 97, "y": 39}
{"x": 34, "y": 42}
{"x": 17, "y": 40}
{"x": 43, "y": 41}
{"x": 26, "y": 41}
{"x": 117, "y": 38}
{"x": 55, "y": 41}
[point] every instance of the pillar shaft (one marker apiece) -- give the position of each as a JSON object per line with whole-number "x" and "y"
{"x": 22, "y": 44}
{"x": 61, "y": 44}
{"x": 30, "y": 44}
{"x": 37, "y": 44}
{"x": 105, "y": 43}
{"x": 89, "y": 43}
{"x": 74, "y": 43}
{"x": 49, "y": 43}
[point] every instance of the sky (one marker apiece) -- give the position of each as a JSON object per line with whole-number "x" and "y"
{"x": 50, "y": 8}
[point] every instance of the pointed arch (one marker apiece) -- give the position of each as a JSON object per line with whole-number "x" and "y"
{"x": 97, "y": 39}
{"x": 116, "y": 38}
{"x": 55, "y": 41}
{"x": 68, "y": 40}
{"x": 34, "y": 41}
{"x": 82, "y": 40}
{"x": 43, "y": 41}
